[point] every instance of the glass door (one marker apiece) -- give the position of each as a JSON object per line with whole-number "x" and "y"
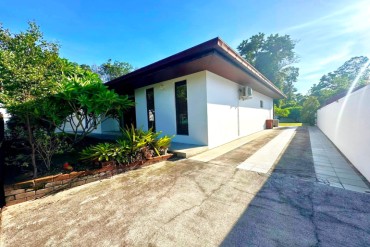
{"x": 150, "y": 108}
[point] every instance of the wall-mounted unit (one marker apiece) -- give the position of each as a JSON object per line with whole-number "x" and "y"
{"x": 245, "y": 93}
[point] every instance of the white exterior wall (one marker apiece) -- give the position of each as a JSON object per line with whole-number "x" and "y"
{"x": 165, "y": 110}
{"x": 68, "y": 128}
{"x": 230, "y": 118}
{"x": 110, "y": 124}
{"x": 347, "y": 124}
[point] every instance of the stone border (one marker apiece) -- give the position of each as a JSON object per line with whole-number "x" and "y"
{"x": 40, "y": 187}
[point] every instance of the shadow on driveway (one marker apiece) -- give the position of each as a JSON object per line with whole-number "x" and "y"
{"x": 292, "y": 209}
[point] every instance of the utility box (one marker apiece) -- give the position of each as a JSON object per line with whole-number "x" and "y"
{"x": 276, "y": 122}
{"x": 269, "y": 123}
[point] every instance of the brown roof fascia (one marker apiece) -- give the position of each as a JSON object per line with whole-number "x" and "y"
{"x": 213, "y": 44}
{"x": 258, "y": 75}
{"x": 204, "y": 47}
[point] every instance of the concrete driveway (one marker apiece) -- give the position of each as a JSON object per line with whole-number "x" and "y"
{"x": 194, "y": 203}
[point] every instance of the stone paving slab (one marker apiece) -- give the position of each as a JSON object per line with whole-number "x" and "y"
{"x": 331, "y": 167}
{"x": 263, "y": 160}
{"x": 228, "y": 147}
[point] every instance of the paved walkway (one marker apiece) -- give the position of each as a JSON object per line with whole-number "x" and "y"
{"x": 265, "y": 158}
{"x": 221, "y": 150}
{"x": 331, "y": 167}
{"x": 314, "y": 158}
{"x": 196, "y": 203}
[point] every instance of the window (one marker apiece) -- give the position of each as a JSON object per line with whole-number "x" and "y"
{"x": 150, "y": 108}
{"x": 181, "y": 100}
{"x": 261, "y": 103}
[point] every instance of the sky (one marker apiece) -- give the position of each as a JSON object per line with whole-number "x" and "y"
{"x": 328, "y": 32}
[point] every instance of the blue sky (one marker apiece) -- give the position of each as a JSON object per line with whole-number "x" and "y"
{"x": 141, "y": 32}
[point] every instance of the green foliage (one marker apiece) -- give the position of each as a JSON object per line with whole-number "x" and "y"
{"x": 272, "y": 56}
{"x": 295, "y": 113}
{"x": 280, "y": 113}
{"x": 309, "y": 110}
{"x": 162, "y": 144}
{"x": 29, "y": 70}
{"x": 105, "y": 152}
{"x": 340, "y": 80}
{"x": 137, "y": 139}
{"x": 82, "y": 102}
{"x": 111, "y": 70}
{"x": 45, "y": 91}
{"x": 135, "y": 144}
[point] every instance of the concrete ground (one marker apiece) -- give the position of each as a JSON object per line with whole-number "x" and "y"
{"x": 200, "y": 203}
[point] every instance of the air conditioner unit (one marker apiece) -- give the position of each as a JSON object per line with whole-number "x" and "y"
{"x": 245, "y": 93}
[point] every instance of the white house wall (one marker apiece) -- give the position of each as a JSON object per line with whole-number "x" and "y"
{"x": 68, "y": 127}
{"x": 165, "y": 110}
{"x": 229, "y": 117}
{"x": 110, "y": 124}
{"x": 347, "y": 124}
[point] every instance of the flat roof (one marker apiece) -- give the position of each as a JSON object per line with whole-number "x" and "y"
{"x": 213, "y": 55}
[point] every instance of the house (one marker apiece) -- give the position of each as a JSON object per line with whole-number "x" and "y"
{"x": 206, "y": 95}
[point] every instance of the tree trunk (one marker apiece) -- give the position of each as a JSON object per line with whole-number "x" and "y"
{"x": 33, "y": 149}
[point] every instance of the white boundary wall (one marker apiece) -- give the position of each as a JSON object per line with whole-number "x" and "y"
{"x": 346, "y": 123}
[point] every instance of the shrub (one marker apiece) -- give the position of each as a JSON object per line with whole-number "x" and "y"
{"x": 49, "y": 144}
{"x": 105, "y": 152}
{"x": 309, "y": 109}
{"x": 280, "y": 113}
{"x": 135, "y": 145}
{"x": 295, "y": 113}
{"x": 162, "y": 144}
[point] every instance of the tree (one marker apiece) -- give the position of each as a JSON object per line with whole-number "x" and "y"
{"x": 272, "y": 56}
{"x": 291, "y": 75}
{"x": 295, "y": 113}
{"x": 29, "y": 70}
{"x": 111, "y": 70}
{"x": 340, "y": 80}
{"x": 279, "y": 113}
{"x": 82, "y": 102}
{"x": 309, "y": 110}
{"x": 45, "y": 91}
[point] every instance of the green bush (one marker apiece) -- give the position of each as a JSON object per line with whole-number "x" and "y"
{"x": 162, "y": 144}
{"x": 104, "y": 152}
{"x": 295, "y": 113}
{"x": 135, "y": 145}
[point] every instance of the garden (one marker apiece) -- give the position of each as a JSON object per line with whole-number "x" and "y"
{"x": 54, "y": 105}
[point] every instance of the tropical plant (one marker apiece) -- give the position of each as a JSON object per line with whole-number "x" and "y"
{"x": 136, "y": 139}
{"x": 135, "y": 145}
{"x": 82, "y": 103}
{"x": 101, "y": 152}
{"x": 162, "y": 144}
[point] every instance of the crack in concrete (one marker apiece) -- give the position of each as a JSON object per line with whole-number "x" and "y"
{"x": 194, "y": 206}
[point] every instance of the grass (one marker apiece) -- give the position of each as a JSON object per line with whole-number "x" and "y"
{"x": 291, "y": 124}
